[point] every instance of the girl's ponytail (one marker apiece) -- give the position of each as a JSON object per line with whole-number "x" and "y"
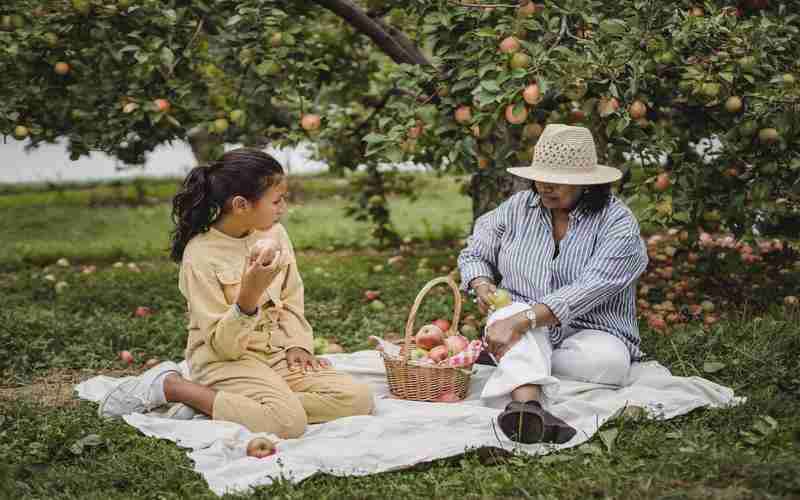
{"x": 207, "y": 188}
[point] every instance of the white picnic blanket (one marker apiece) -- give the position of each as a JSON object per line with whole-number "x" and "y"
{"x": 401, "y": 434}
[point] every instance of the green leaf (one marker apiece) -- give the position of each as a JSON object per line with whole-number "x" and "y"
{"x": 613, "y": 26}
{"x": 727, "y": 76}
{"x": 608, "y": 437}
{"x": 713, "y": 366}
{"x": 374, "y": 138}
{"x": 490, "y": 86}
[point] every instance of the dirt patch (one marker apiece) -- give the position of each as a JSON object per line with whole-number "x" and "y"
{"x": 56, "y": 388}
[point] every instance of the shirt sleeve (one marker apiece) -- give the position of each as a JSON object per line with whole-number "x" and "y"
{"x": 479, "y": 257}
{"x": 621, "y": 257}
{"x": 224, "y": 329}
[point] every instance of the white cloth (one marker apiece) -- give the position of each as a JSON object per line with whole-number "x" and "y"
{"x": 401, "y": 434}
{"x": 587, "y": 356}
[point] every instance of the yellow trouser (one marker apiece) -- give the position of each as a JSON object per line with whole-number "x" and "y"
{"x": 261, "y": 393}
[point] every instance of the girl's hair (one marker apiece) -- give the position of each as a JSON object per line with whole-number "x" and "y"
{"x": 207, "y": 188}
{"x": 594, "y": 198}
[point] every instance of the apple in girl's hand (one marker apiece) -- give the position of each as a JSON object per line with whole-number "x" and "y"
{"x": 260, "y": 447}
{"x": 456, "y": 343}
{"x": 443, "y": 324}
{"x": 500, "y": 298}
{"x": 126, "y": 356}
{"x": 429, "y": 336}
{"x": 438, "y": 353}
{"x": 268, "y": 244}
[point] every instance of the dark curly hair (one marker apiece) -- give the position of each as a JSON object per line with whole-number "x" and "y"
{"x": 207, "y": 189}
{"x": 594, "y": 198}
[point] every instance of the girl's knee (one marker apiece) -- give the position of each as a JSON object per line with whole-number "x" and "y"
{"x": 287, "y": 419}
{"x": 362, "y": 401}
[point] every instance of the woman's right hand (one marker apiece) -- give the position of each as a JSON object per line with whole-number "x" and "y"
{"x": 258, "y": 272}
{"x": 484, "y": 289}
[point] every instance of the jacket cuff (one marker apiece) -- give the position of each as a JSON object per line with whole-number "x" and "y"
{"x": 559, "y": 307}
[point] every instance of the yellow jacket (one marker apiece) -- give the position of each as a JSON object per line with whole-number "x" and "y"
{"x": 210, "y": 278}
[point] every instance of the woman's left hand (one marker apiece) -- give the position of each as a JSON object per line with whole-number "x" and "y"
{"x": 299, "y": 359}
{"x": 502, "y": 335}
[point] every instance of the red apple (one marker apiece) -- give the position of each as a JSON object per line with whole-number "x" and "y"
{"x": 607, "y": 106}
{"x": 656, "y": 322}
{"x": 438, "y": 353}
{"x": 126, "y": 357}
{"x": 516, "y": 115}
{"x": 310, "y": 122}
{"x": 532, "y": 94}
{"x": 448, "y": 397}
{"x": 509, "y": 45}
{"x": 662, "y": 182}
{"x": 260, "y": 447}
{"x": 162, "y": 105}
{"x": 463, "y": 114}
{"x": 637, "y": 110}
{"x": 456, "y": 344}
{"x": 142, "y": 312}
{"x": 62, "y": 68}
{"x": 429, "y": 336}
{"x": 371, "y": 295}
{"x": 443, "y": 324}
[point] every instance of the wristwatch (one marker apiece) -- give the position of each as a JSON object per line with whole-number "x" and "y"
{"x": 241, "y": 314}
{"x": 530, "y": 314}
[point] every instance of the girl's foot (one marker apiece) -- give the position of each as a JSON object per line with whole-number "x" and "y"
{"x": 138, "y": 395}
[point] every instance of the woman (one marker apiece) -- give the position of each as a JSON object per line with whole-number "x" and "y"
{"x": 250, "y": 348}
{"x": 569, "y": 253}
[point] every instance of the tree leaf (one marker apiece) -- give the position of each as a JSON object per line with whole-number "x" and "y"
{"x": 608, "y": 437}
{"x": 713, "y": 366}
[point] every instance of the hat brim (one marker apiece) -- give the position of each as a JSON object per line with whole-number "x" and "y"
{"x": 600, "y": 174}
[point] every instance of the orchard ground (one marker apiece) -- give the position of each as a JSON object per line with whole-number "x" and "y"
{"x": 77, "y": 263}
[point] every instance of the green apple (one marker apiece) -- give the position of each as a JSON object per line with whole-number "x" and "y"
{"x": 500, "y": 298}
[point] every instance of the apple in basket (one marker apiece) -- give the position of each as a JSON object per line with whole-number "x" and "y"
{"x": 439, "y": 353}
{"x": 443, "y": 324}
{"x": 456, "y": 344}
{"x": 429, "y": 336}
{"x": 418, "y": 353}
{"x": 260, "y": 447}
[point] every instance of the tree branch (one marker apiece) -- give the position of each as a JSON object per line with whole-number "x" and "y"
{"x": 376, "y": 31}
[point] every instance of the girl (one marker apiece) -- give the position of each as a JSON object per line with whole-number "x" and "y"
{"x": 250, "y": 348}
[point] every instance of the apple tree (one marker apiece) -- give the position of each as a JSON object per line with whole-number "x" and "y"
{"x": 696, "y": 101}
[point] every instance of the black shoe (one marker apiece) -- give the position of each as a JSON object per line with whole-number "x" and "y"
{"x": 529, "y": 423}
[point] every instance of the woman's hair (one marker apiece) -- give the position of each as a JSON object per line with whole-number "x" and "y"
{"x": 594, "y": 197}
{"x": 207, "y": 188}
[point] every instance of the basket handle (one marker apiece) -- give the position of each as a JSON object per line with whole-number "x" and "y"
{"x": 412, "y": 315}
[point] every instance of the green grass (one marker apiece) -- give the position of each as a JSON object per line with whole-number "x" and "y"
{"x": 749, "y": 451}
{"x": 41, "y": 227}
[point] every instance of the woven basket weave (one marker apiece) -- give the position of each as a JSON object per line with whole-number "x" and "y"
{"x": 426, "y": 383}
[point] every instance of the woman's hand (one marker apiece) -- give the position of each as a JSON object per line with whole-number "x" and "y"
{"x": 258, "y": 273}
{"x": 484, "y": 289}
{"x": 503, "y": 334}
{"x": 299, "y": 359}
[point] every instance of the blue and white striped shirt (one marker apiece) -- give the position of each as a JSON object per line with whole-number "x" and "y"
{"x": 591, "y": 284}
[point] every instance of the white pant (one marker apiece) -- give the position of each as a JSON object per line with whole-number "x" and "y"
{"x": 586, "y": 356}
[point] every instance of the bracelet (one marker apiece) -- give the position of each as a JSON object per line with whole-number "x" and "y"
{"x": 241, "y": 313}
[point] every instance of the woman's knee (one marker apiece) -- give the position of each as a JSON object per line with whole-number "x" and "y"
{"x": 592, "y": 356}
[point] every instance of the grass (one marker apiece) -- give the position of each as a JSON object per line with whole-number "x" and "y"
{"x": 48, "y": 340}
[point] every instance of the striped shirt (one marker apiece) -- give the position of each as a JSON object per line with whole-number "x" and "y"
{"x": 590, "y": 284}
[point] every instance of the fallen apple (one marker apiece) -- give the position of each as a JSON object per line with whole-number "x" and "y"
{"x": 377, "y": 305}
{"x": 371, "y": 295}
{"x": 126, "y": 357}
{"x": 260, "y": 447}
{"x": 429, "y": 336}
{"x": 142, "y": 312}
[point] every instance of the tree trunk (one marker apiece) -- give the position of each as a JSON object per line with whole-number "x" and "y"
{"x": 488, "y": 191}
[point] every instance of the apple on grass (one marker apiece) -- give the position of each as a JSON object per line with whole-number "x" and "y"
{"x": 260, "y": 447}
{"x": 143, "y": 312}
{"x": 371, "y": 295}
{"x": 126, "y": 357}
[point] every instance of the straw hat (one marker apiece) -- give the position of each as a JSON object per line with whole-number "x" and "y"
{"x": 566, "y": 155}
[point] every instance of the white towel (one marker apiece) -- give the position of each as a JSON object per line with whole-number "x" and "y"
{"x": 401, "y": 434}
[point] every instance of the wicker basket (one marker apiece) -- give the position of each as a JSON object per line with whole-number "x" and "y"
{"x": 426, "y": 383}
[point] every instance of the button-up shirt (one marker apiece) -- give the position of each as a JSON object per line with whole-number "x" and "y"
{"x": 590, "y": 283}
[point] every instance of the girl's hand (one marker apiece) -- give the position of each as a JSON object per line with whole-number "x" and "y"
{"x": 258, "y": 273}
{"x": 299, "y": 359}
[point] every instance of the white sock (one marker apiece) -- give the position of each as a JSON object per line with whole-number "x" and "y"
{"x": 157, "y": 388}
